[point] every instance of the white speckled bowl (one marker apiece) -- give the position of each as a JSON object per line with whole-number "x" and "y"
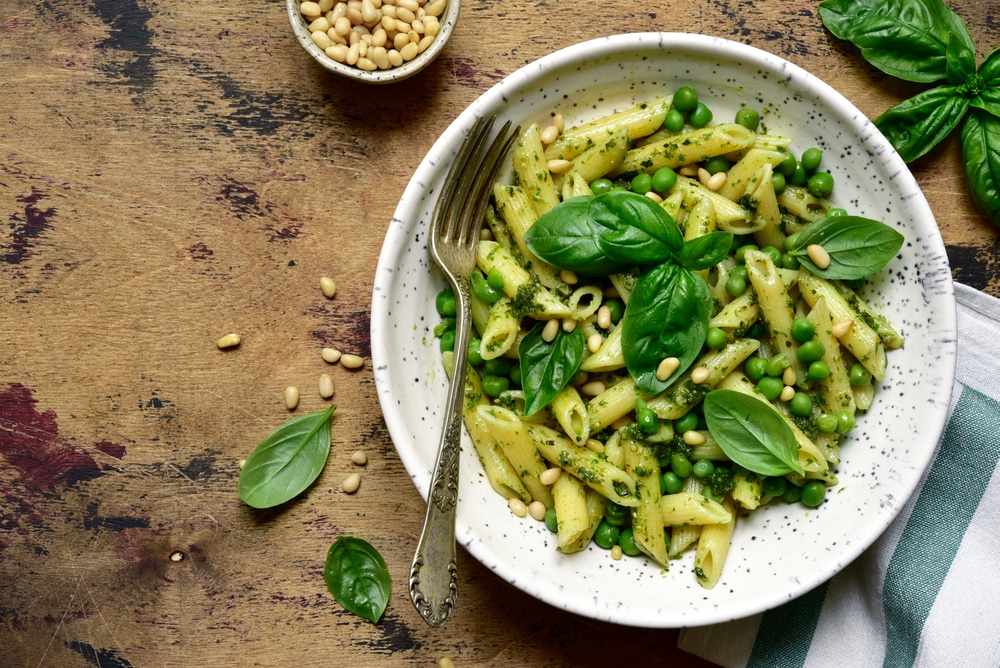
{"x": 301, "y": 29}
{"x": 779, "y": 552}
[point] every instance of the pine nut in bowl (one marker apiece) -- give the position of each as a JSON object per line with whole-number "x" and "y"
{"x": 373, "y": 41}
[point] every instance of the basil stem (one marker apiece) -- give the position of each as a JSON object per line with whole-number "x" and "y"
{"x": 981, "y": 155}
{"x": 751, "y": 433}
{"x": 858, "y": 247}
{"x": 358, "y": 578}
{"x": 546, "y": 368}
{"x": 287, "y": 462}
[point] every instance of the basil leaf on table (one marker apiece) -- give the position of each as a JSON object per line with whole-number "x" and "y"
{"x": 287, "y": 462}
{"x": 918, "y": 124}
{"x": 666, "y": 316}
{"x": 988, "y": 94}
{"x": 981, "y": 155}
{"x": 547, "y": 367}
{"x": 960, "y": 61}
{"x": 858, "y": 247}
{"x": 632, "y": 229}
{"x": 751, "y": 433}
{"x": 358, "y": 578}
{"x": 705, "y": 251}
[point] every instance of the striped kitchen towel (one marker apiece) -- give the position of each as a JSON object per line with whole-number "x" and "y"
{"x": 927, "y": 593}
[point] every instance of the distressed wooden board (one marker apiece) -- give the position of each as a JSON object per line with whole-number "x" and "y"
{"x": 171, "y": 172}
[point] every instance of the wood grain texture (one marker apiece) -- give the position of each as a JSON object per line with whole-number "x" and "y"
{"x": 171, "y": 172}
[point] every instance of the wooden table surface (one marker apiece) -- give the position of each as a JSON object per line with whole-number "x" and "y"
{"x": 172, "y": 171}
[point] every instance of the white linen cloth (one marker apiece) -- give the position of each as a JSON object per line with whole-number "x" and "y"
{"x": 926, "y": 594}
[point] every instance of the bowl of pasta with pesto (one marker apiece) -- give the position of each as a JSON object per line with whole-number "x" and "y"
{"x": 713, "y": 333}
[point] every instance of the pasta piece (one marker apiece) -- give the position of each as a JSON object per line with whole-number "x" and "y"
{"x": 713, "y": 546}
{"x": 729, "y": 216}
{"x": 595, "y": 504}
{"x": 609, "y": 356}
{"x": 747, "y": 489}
{"x": 638, "y": 121}
{"x": 800, "y": 202}
{"x": 492, "y": 255}
{"x": 512, "y": 435}
{"x": 531, "y": 170}
{"x": 687, "y": 508}
{"x": 602, "y": 157}
{"x": 890, "y": 338}
{"x": 738, "y": 315}
{"x": 687, "y": 148}
{"x": 514, "y": 206}
{"x": 574, "y": 185}
{"x": 775, "y": 304}
{"x": 835, "y": 390}
{"x": 571, "y": 413}
{"x": 500, "y": 330}
{"x": 760, "y": 198}
{"x": 741, "y": 175}
{"x": 647, "y": 517}
{"x": 569, "y": 497}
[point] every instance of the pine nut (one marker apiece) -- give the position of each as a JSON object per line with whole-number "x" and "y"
{"x": 517, "y": 506}
{"x": 408, "y": 52}
{"x": 352, "y": 361}
{"x": 704, "y": 176}
{"x": 653, "y": 196}
{"x": 291, "y": 397}
{"x": 604, "y": 317}
{"x": 241, "y": 463}
{"x": 326, "y": 386}
{"x": 593, "y": 388}
{"x": 788, "y": 376}
{"x": 367, "y": 64}
{"x": 549, "y": 476}
{"x": 445, "y": 662}
{"x": 396, "y": 60}
{"x": 549, "y": 134}
{"x": 405, "y": 15}
{"x": 319, "y": 24}
{"x": 351, "y": 483}
{"x": 594, "y": 342}
{"x": 559, "y": 122}
{"x": 568, "y": 324}
{"x": 550, "y": 330}
{"x": 787, "y": 392}
{"x": 666, "y": 368}
{"x": 310, "y": 9}
{"x": 616, "y": 552}
{"x": 359, "y": 457}
{"x": 559, "y": 166}
{"x": 331, "y": 355}
{"x": 568, "y": 277}
{"x": 537, "y": 510}
{"x": 338, "y": 52}
{"x": 594, "y": 445}
{"x": 229, "y": 341}
{"x": 818, "y": 255}
{"x": 424, "y": 43}
{"x": 693, "y": 437}
{"x": 716, "y": 181}
{"x": 320, "y": 39}
{"x": 689, "y": 170}
{"x": 840, "y": 329}
{"x": 700, "y": 375}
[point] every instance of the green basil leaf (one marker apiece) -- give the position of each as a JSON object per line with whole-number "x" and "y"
{"x": 751, "y": 433}
{"x": 287, "y": 461}
{"x": 358, "y": 578}
{"x": 706, "y": 251}
{"x": 960, "y": 62}
{"x": 918, "y": 124}
{"x": 988, "y": 99}
{"x": 632, "y": 229}
{"x": 858, "y": 247}
{"x": 546, "y": 368}
{"x": 981, "y": 155}
{"x": 906, "y": 39}
{"x": 564, "y": 238}
{"x": 666, "y": 316}
{"x": 989, "y": 69}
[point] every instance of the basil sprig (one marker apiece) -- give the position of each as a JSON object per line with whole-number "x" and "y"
{"x": 287, "y": 462}
{"x": 858, "y": 247}
{"x": 546, "y": 367}
{"x": 925, "y": 41}
{"x": 358, "y": 578}
{"x": 751, "y": 433}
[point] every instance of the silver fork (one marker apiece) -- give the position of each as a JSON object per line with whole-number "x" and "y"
{"x": 457, "y": 219}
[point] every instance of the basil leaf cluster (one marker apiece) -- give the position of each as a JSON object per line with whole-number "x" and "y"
{"x": 358, "y": 578}
{"x": 924, "y": 41}
{"x": 858, "y": 247}
{"x": 668, "y": 311}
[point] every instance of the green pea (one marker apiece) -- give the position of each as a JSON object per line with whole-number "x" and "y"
{"x": 483, "y": 290}
{"x": 717, "y": 164}
{"x": 445, "y": 302}
{"x": 716, "y": 338}
{"x": 647, "y": 421}
{"x": 447, "y": 341}
{"x": 748, "y": 118}
{"x": 818, "y": 370}
{"x": 681, "y": 465}
{"x": 811, "y": 157}
{"x": 616, "y": 515}
{"x": 778, "y": 182}
{"x": 777, "y": 365}
{"x": 789, "y": 261}
{"x": 475, "y": 359}
{"x": 642, "y": 183}
{"x": 770, "y": 387}
{"x": 664, "y": 179}
{"x": 617, "y": 308}
{"x": 774, "y": 486}
{"x": 802, "y": 329}
{"x": 836, "y": 212}
{"x": 551, "y": 521}
{"x": 671, "y": 483}
{"x": 773, "y": 253}
{"x": 826, "y": 423}
{"x": 674, "y": 120}
{"x": 701, "y": 116}
{"x": 792, "y": 494}
{"x": 626, "y": 541}
{"x": 498, "y": 366}
{"x": 688, "y": 422}
{"x": 813, "y": 493}
{"x": 811, "y": 351}
{"x": 799, "y": 177}
{"x": 601, "y": 186}
{"x": 495, "y": 279}
{"x": 606, "y": 535}
{"x": 801, "y": 405}
{"x": 787, "y": 166}
{"x": 791, "y": 240}
{"x": 685, "y": 99}
{"x": 703, "y": 468}
{"x": 755, "y": 368}
{"x": 735, "y": 286}
{"x": 845, "y": 422}
{"x": 741, "y": 252}
{"x": 515, "y": 376}
{"x": 859, "y": 376}
{"x": 820, "y": 184}
{"x": 494, "y": 386}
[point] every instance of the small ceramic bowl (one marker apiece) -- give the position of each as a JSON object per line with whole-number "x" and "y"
{"x": 300, "y": 26}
